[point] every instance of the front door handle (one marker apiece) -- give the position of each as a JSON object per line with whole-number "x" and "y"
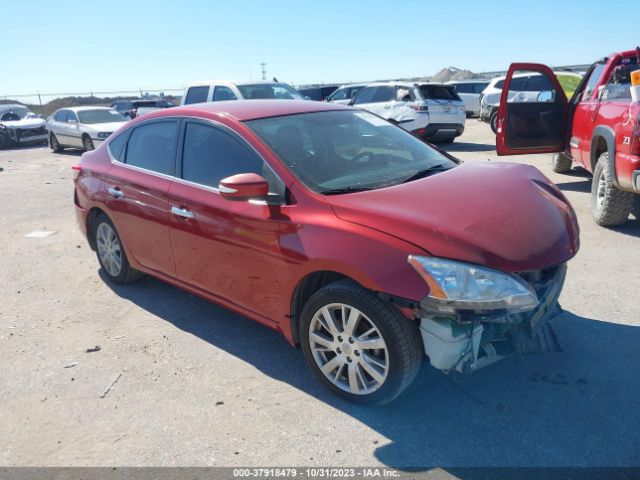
{"x": 115, "y": 192}
{"x": 182, "y": 212}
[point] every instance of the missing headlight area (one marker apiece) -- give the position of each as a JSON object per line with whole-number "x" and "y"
{"x": 466, "y": 340}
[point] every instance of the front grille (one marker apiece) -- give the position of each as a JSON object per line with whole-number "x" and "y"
{"x": 31, "y": 132}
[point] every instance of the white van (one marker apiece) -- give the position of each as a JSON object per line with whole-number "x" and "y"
{"x": 219, "y": 90}
{"x": 469, "y": 91}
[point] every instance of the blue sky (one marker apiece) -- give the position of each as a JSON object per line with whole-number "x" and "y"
{"x": 75, "y": 46}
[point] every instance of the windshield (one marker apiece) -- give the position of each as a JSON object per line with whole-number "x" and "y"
{"x": 100, "y": 116}
{"x": 15, "y": 113}
{"x": 269, "y": 90}
{"x": 341, "y": 151}
{"x": 438, "y": 92}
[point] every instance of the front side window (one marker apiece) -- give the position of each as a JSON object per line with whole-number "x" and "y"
{"x": 464, "y": 87}
{"x": 343, "y": 151}
{"x": 60, "y": 116}
{"x": 479, "y": 87}
{"x": 593, "y": 80}
{"x": 71, "y": 116}
{"x": 89, "y": 117}
{"x": 210, "y": 154}
{"x": 365, "y": 96}
{"x": 383, "y": 94}
{"x": 152, "y": 146}
{"x": 340, "y": 94}
{"x": 196, "y": 95}
{"x": 222, "y": 93}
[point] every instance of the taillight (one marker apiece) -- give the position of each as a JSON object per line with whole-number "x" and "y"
{"x": 635, "y": 138}
{"x": 76, "y": 171}
{"x": 420, "y": 108}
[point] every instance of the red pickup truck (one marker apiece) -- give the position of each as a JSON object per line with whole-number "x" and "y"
{"x": 598, "y": 129}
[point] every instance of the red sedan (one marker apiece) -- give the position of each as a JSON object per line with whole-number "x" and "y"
{"x": 365, "y": 246}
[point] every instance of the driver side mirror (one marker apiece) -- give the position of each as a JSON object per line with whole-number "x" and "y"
{"x": 244, "y": 187}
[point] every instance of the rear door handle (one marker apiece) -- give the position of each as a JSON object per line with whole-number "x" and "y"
{"x": 115, "y": 192}
{"x": 182, "y": 212}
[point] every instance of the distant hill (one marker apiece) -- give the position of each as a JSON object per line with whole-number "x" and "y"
{"x": 452, "y": 73}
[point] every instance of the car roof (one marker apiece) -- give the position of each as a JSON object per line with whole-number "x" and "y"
{"x": 207, "y": 83}
{"x": 469, "y": 80}
{"x": 252, "y": 109}
{"x": 81, "y": 109}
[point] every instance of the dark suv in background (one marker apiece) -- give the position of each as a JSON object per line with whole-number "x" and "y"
{"x": 133, "y": 108}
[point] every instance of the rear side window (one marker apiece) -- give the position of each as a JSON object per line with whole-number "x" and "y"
{"x": 210, "y": 154}
{"x": 383, "y": 94}
{"x": 479, "y": 87}
{"x": 153, "y": 146}
{"x": 539, "y": 83}
{"x": 222, "y": 93}
{"x": 464, "y": 87}
{"x": 197, "y": 95}
{"x": 116, "y": 146}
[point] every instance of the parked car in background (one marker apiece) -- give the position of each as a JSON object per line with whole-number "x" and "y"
{"x": 82, "y": 127}
{"x": 345, "y": 94}
{"x": 431, "y": 111}
{"x": 525, "y": 86}
{"x": 215, "y": 91}
{"x": 133, "y": 108}
{"x": 354, "y": 239}
{"x": 20, "y": 126}
{"x": 469, "y": 91}
{"x": 317, "y": 93}
{"x": 598, "y": 129}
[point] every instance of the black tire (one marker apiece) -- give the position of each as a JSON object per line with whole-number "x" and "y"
{"x": 493, "y": 121}
{"x": 5, "y": 140}
{"x": 560, "y": 163}
{"x": 54, "y": 144}
{"x": 610, "y": 206}
{"x": 87, "y": 143}
{"x": 403, "y": 342}
{"x": 126, "y": 274}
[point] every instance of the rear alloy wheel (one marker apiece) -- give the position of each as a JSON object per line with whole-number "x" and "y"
{"x": 54, "y": 144}
{"x": 493, "y": 121}
{"x": 87, "y": 143}
{"x": 560, "y": 163}
{"x": 111, "y": 254}
{"x": 360, "y": 347}
{"x": 609, "y": 205}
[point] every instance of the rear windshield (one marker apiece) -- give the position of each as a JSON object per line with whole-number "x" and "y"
{"x": 269, "y": 90}
{"x": 439, "y": 92}
{"x": 100, "y": 116}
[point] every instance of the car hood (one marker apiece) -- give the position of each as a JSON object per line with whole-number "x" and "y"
{"x": 103, "y": 127}
{"x": 506, "y": 216}
{"x": 25, "y": 123}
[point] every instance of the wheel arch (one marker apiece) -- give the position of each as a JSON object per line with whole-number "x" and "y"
{"x": 603, "y": 140}
{"x": 93, "y": 214}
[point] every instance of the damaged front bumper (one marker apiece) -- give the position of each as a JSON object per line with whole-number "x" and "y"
{"x": 465, "y": 341}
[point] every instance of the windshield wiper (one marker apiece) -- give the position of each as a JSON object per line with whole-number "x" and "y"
{"x": 425, "y": 173}
{"x": 338, "y": 191}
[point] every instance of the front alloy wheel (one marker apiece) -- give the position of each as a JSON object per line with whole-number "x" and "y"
{"x": 349, "y": 349}
{"x": 359, "y": 346}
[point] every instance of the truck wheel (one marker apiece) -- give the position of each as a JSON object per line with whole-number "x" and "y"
{"x": 493, "y": 121}
{"x": 609, "y": 205}
{"x": 360, "y": 347}
{"x": 560, "y": 163}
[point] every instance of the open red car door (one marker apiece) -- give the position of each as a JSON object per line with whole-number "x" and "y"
{"x": 533, "y": 112}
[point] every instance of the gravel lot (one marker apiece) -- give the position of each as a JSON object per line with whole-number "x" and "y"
{"x": 198, "y": 385}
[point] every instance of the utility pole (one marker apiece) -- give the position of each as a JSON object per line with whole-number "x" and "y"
{"x": 39, "y": 98}
{"x": 263, "y": 66}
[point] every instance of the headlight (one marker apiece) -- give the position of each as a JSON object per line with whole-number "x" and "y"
{"x": 103, "y": 134}
{"x": 464, "y": 286}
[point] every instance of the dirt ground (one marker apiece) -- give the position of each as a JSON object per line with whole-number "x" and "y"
{"x": 198, "y": 385}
